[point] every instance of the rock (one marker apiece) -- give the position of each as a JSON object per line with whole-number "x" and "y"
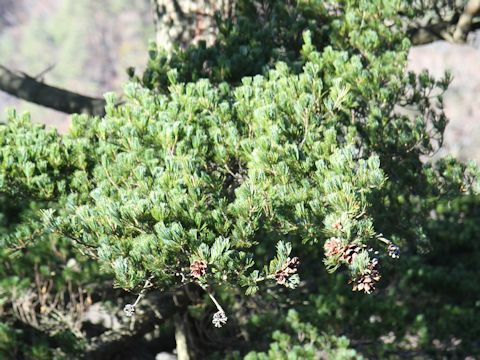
{"x": 98, "y": 315}
{"x": 462, "y": 99}
{"x": 165, "y": 356}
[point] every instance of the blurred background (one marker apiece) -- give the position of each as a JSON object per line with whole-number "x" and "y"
{"x": 80, "y": 45}
{"x": 86, "y": 46}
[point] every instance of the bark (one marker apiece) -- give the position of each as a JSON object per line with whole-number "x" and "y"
{"x": 430, "y": 33}
{"x": 453, "y": 27}
{"x": 187, "y": 342}
{"x": 440, "y": 31}
{"x": 466, "y": 20}
{"x": 30, "y": 89}
{"x": 181, "y": 337}
{"x": 184, "y": 22}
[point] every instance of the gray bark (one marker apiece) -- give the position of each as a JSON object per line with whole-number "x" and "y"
{"x": 181, "y": 337}
{"x": 466, "y": 20}
{"x": 183, "y": 22}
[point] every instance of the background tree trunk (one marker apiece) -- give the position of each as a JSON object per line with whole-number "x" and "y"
{"x": 183, "y": 22}
{"x": 181, "y": 337}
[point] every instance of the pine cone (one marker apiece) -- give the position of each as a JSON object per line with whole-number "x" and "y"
{"x": 393, "y": 251}
{"x": 292, "y": 264}
{"x": 333, "y": 246}
{"x": 129, "y": 310}
{"x": 219, "y": 319}
{"x": 281, "y": 277}
{"x": 337, "y": 226}
{"x": 198, "y": 268}
{"x": 288, "y": 268}
{"x": 367, "y": 281}
{"x": 350, "y": 252}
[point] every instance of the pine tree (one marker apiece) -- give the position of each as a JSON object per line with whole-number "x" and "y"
{"x": 231, "y": 176}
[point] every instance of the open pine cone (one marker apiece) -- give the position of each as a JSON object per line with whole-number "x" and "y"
{"x": 198, "y": 268}
{"x": 333, "y": 246}
{"x": 350, "y": 252}
{"x": 367, "y": 281}
{"x": 289, "y": 268}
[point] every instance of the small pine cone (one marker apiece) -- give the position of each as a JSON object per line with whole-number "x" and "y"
{"x": 350, "y": 252}
{"x": 280, "y": 277}
{"x": 291, "y": 265}
{"x": 129, "y": 310}
{"x": 337, "y": 226}
{"x": 368, "y": 280}
{"x": 219, "y": 319}
{"x": 333, "y": 246}
{"x": 198, "y": 268}
{"x": 393, "y": 251}
{"x": 288, "y": 268}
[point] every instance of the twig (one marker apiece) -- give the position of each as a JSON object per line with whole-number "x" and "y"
{"x": 466, "y": 19}
{"x": 30, "y": 89}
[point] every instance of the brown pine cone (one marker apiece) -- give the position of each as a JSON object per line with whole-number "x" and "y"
{"x": 288, "y": 268}
{"x": 368, "y": 280}
{"x": 198, "y": 268}
{"x": 337, "y": 226}
{"x": 333, "y": 246}
{"x": 350, "y": 252}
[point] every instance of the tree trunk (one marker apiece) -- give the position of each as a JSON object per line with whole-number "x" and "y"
{"x": 466, "y": 20}
{"x": 157, "y": 308}
{"x": 186, "y": 337}
{"x": 183, "y": 22}
{"x": 181, "y": 337}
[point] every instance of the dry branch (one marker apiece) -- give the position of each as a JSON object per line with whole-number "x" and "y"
{"x": 30, "y": 89}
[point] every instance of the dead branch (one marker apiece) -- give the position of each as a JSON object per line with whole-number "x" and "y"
{"x": 30, "y": 89}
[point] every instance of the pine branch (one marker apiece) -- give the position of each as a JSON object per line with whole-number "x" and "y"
{"x": 30, "y": 89}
